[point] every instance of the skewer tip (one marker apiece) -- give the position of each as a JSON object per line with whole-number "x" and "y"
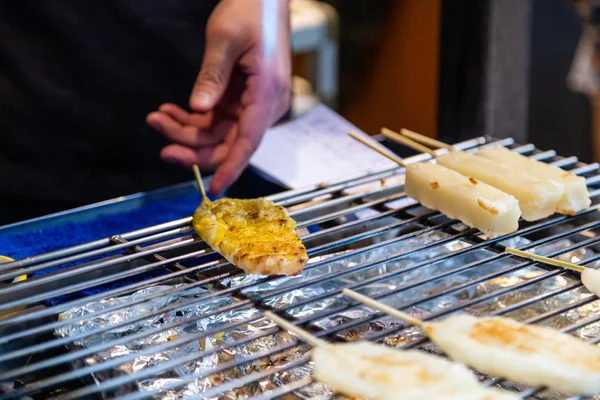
{"x": 398, "y": 138}
{"x": 199, "y": 182}
{"x": 426, "y": 140}
{"x": 391, "y": 157}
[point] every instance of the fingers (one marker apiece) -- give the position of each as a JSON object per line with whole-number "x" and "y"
{"x": 188, "y": 135}
{"x": 223, "y": 49}
{"x": 203, "y": 120}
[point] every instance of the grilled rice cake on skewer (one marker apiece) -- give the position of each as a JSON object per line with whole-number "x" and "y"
{"x": 377, "y": 372}
{"x": 538, "y": 198}
{"x": 529, "y": 354}
{"x": 255, "y": 235}
{"x": 575, "y": 196}
{"x": 509, "y": 349}
{"x": 475, "y": 203}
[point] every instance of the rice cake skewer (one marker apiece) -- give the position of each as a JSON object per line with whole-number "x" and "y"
{"x": 255, "y": 235}
{"x": 589, "y": 277}
{"x": 377, "y": 372}
{"x": 576, "y": 196}
{"x": 537, "y": 198}
{"x": 502, "y": 347}
{"x": 476, "y": 204}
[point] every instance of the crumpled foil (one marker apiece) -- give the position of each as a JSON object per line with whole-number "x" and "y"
{"x": 310, "y": 296}
{"x": 201, "y": 366}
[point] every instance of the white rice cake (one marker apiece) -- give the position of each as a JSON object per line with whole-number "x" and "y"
{"x": 537, "y": 198}
{"x": 528, "y": 354}
{"x": 376, "y": 372}
{"x": 575, "y": 193}
{"x": 474, "y": 203}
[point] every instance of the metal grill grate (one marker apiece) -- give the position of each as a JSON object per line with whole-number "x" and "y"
{"x": 194, "y": 328}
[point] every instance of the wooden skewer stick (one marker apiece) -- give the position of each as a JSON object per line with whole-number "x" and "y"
{"x": 396, "y": 137}
{"x": 200, "y": 183}
{"x": 395, "y": 159}
{"x": 426, "y": 140}
{"x": 304, "y": 335}
{"x": 383, "y": 308}
{"x": 545, "y": 260}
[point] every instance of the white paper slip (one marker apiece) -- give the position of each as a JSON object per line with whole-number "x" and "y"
{"x": 316, "y": 149}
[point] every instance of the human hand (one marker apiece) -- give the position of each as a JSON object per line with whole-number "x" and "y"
{"x": 243, "y": 88}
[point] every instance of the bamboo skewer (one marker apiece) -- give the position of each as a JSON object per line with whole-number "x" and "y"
{"x": 546, "y": 260}
{"x": 301, "y": 333}
{"x": 396, "y": 137}
{"x": 384, "y": 308}
{"x": 426, "y": 140}
{"x": 200, "y": 183}
{"x": 395, "y": 159}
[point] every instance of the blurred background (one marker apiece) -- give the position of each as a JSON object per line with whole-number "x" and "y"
{"x": 450, "y": 69}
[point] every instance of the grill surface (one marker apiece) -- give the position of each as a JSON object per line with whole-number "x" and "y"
{"x": 361, "y": 233}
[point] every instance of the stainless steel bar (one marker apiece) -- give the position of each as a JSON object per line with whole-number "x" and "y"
{"x": 96, "y": 350}
{"x": 160, "y": 369}
{"x": 429, "y": 262}
{"x": 240, "y": 381}
{"x": 377, "y": 231}
{"x": 148, "y": 372}
{"x": 93, "y": 253}
{"x": 462, "y": 306}
{"x": 329, "y": 277}
{"x": 169, "y": 276}
{"x": 345, "y": 201}
{"x": 170, "y": 308}
{"x": 134, "y": 234}
{"x": 283, "y": 390}
{"x": 338, "y": 188}
{"x": 585, "y": 169}
{"x": 584, "y": 323}
{"x": 146, "y": 333}
{"x": 364, "y": 205}
{"x": 95, "y": 244}
{"x": 544, "y": 296}
{"x": 70, "y": 339}
{"x": 115, "y": 326}
{"x": 102, "y": 264}
{"x": 108, "y": 294}
{"x": 457, "y": 288}
{"x": 98, "y": 281}
{"x": 341, "y": 184}
{"x": 360, "y": 207}
{"x": 83, "y": 352}
{"x": 219, "y": 390}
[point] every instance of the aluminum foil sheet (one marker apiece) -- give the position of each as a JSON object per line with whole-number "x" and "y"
{"x": 159, "y": 333}
{"x": 386, "y": 273}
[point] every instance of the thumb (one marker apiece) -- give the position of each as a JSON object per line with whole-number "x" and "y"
{"x": 219, "y": 58}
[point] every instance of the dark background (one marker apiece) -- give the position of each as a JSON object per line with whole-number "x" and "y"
{"x": 558, "y": 118}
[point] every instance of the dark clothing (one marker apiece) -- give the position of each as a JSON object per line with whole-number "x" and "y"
{"x": 77, "y": 79}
